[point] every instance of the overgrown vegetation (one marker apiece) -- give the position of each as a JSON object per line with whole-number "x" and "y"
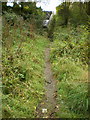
{"x": 24, "y": 41}
{"x": 69, "y": 58}
{"x": 23, "y": 66}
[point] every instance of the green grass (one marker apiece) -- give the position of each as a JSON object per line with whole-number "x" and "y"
{"x": 70, "y": 69}
{"x": 23, "y": 77}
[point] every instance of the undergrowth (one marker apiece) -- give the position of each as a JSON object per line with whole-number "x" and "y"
{"x": 69, "y": 58}
{"x": 23, "y": 64}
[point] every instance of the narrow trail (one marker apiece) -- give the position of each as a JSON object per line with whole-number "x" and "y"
{"x": 48, "y": 107}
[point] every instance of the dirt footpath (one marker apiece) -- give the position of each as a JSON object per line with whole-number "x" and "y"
{"x": 48, "y": 107}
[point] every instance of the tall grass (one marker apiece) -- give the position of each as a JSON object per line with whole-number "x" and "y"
{"x": 23, "y": 64}
{"x": 69, "y": 64}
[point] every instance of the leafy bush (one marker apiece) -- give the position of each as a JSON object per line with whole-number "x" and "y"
{"x": 73, "y": 43}
{"x": 11, "y": 17}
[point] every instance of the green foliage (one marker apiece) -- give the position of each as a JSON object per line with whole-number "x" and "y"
{"x": 28, "y": 11}
{"x": 69, "y": 63}
{"x": 11, "y": 18}
{"x": 72, "y": 42}
{"x": 23, "y": 65}
{"x": 23, "y": 59}
{"x": 72, "y": 13}
{"x": 63, "y": 13}
{"x": 78, "y": 14}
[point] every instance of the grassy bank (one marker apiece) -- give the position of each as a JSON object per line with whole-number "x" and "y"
{"x": 23, "y": 66}
{"x": 69, "y": 64}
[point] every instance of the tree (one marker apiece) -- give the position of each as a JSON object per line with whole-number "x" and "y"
{"x": 63, "y": 13}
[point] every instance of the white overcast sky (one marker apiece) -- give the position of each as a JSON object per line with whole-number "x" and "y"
{"x": 50, "y": 6}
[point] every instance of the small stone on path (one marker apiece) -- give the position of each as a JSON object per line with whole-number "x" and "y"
{"x": 44, "y": 110}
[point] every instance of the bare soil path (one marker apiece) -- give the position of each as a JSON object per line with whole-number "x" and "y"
{"x": 48, "y": 107}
